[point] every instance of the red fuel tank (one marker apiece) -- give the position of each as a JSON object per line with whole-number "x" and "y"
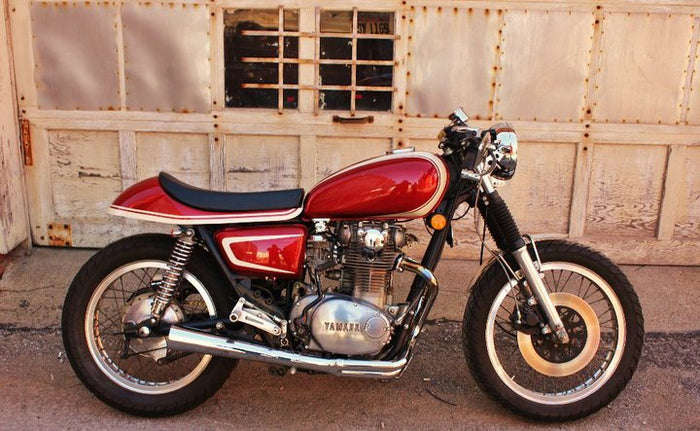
{"x": 266, "y": 250}
{"x": 402, "y": 185}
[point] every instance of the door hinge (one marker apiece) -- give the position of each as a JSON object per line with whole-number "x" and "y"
{"x": 26, "y": 138}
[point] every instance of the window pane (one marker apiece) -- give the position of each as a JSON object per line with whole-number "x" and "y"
{"x": 291, "y": 73}
{"x": 334, "y": 100}
{"x": 375, "y": 22}
{"x": 336, "y": 21}
{"x": 252, "y": 19}
{"x": 241, "y": 51}
{"x": 291, "y": 47}
{"x": 291, "y": 99}
{"x": 375, "y": 49}
{"x": 291, "y": 20}
{"x": 252, "y": 97}
{"x": 373, "y": 100}
{"x": 335, "y": 74}
{"x": 374, "y": 76}
{"x": 336, "y": 48}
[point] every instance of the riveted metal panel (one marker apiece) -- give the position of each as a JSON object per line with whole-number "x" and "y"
{"x": 75, "y": 52}
{"x": 452, "y": 51}
{"x": 643, "y": 67}
{"x": 544, "y": 57}
{"x": 166, "y": 53}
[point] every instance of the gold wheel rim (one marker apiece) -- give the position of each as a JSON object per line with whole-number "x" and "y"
{"x": 541, "y": 365}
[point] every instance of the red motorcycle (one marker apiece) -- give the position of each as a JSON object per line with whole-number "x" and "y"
{"x": 154, "y": 324}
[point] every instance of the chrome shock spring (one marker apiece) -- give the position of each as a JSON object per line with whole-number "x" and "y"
{"x": 179, "y": 257}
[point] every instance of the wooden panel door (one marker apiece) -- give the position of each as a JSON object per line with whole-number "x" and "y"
{"x": 13, "y": 216}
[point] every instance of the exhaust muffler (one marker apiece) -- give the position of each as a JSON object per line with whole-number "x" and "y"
{"x": 188, "y": 340}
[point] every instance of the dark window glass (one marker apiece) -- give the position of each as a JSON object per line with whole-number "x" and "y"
{"x": 373, "y": 100}
{"x": 335, "y": 74}
{"x": 251, "y": 60}
{"x": 336, "y": 48}
{"x": 334, "y": 100}
{"x": 374, "y": 76}
{"x": 375, "y": 49}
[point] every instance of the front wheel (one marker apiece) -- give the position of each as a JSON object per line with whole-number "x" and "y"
{"x": 141, "y": 375}
{"x": 530, "y": 372}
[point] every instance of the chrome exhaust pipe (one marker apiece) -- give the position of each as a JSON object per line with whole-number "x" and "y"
{"x": 188, "y": 340}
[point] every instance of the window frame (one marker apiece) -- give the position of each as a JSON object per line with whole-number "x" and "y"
{"x": 316, "y": 61}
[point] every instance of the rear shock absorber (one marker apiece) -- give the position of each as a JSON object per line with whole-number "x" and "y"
{"x": 179, "y": 257}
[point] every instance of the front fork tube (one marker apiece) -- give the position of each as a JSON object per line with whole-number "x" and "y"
{"x": 539, "y": 291}
{"x": 507, "y": 236}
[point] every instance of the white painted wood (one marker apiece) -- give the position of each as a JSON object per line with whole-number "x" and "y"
{"x": 85, "y": 172}
{"x": 258, "y": 163}
{"x": 184, "y": 155}
{"x": 672, "y": 192}
{"x": 539, "y": 195}
{"x": 127, "y": 157}
{"x": 625, "y": 191}
{"x": 308, "y": 160}
{"x": 39, "y": 187}
{"x": 579, "y": 194}
{"x": 13, "y": 214}
{"x": 335, "y": 153}
{"x": 217, "y": 160}
{"x": 687, "y": 224}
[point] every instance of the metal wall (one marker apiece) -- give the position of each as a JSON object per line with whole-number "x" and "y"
{"x": 604, "y": 96}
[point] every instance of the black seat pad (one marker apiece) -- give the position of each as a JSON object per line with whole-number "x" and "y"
{"x": 210, "y": 200}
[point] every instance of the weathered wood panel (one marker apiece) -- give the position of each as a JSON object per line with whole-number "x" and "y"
{"x": 643, "y": 67}
{"x": 184, "y": 155}
{"x": 625, "y": 190}
{"x": 688, "y": 210}
{"x": 544, "y": 57}
{"x": 257, "y": 163}
{"x": 539, "y": 195}
{"x": 464, "y": 34}
{"x": 85, "y": 172}
{"x": 335, "y": 153}
{"x": 13, "y": 215}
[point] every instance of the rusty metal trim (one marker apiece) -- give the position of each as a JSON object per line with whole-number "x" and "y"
{"x": 60, "y": 235}
{"x": 26, "y": 138}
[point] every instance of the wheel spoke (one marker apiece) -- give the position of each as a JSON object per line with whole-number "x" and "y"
{"x": 116, "y": 294}
{"x": 559, "y": 278}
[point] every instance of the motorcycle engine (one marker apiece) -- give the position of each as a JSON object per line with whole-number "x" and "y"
{"x": 352, "y": 318}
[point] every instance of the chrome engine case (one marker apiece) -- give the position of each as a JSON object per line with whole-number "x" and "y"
{"x": 344, "y": 325}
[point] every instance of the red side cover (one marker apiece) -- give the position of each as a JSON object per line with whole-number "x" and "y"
{"x": 275, "y": 251}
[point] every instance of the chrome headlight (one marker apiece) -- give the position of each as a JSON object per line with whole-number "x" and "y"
{"x": 506, "y": 152}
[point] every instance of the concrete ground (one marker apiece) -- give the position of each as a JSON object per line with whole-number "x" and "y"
{"x": 38, "y": 389}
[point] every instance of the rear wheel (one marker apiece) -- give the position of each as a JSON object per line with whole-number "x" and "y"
{"x": 141, "y": 375}
{"x": 531, "y": 372}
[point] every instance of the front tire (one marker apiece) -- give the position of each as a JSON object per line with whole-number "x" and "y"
{"x": 535, "y": 376}
{"x": 141, "y": 376}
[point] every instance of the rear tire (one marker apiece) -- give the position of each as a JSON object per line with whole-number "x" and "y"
{"x": 536, "y": 377}
{"x": 111, "y": 283}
